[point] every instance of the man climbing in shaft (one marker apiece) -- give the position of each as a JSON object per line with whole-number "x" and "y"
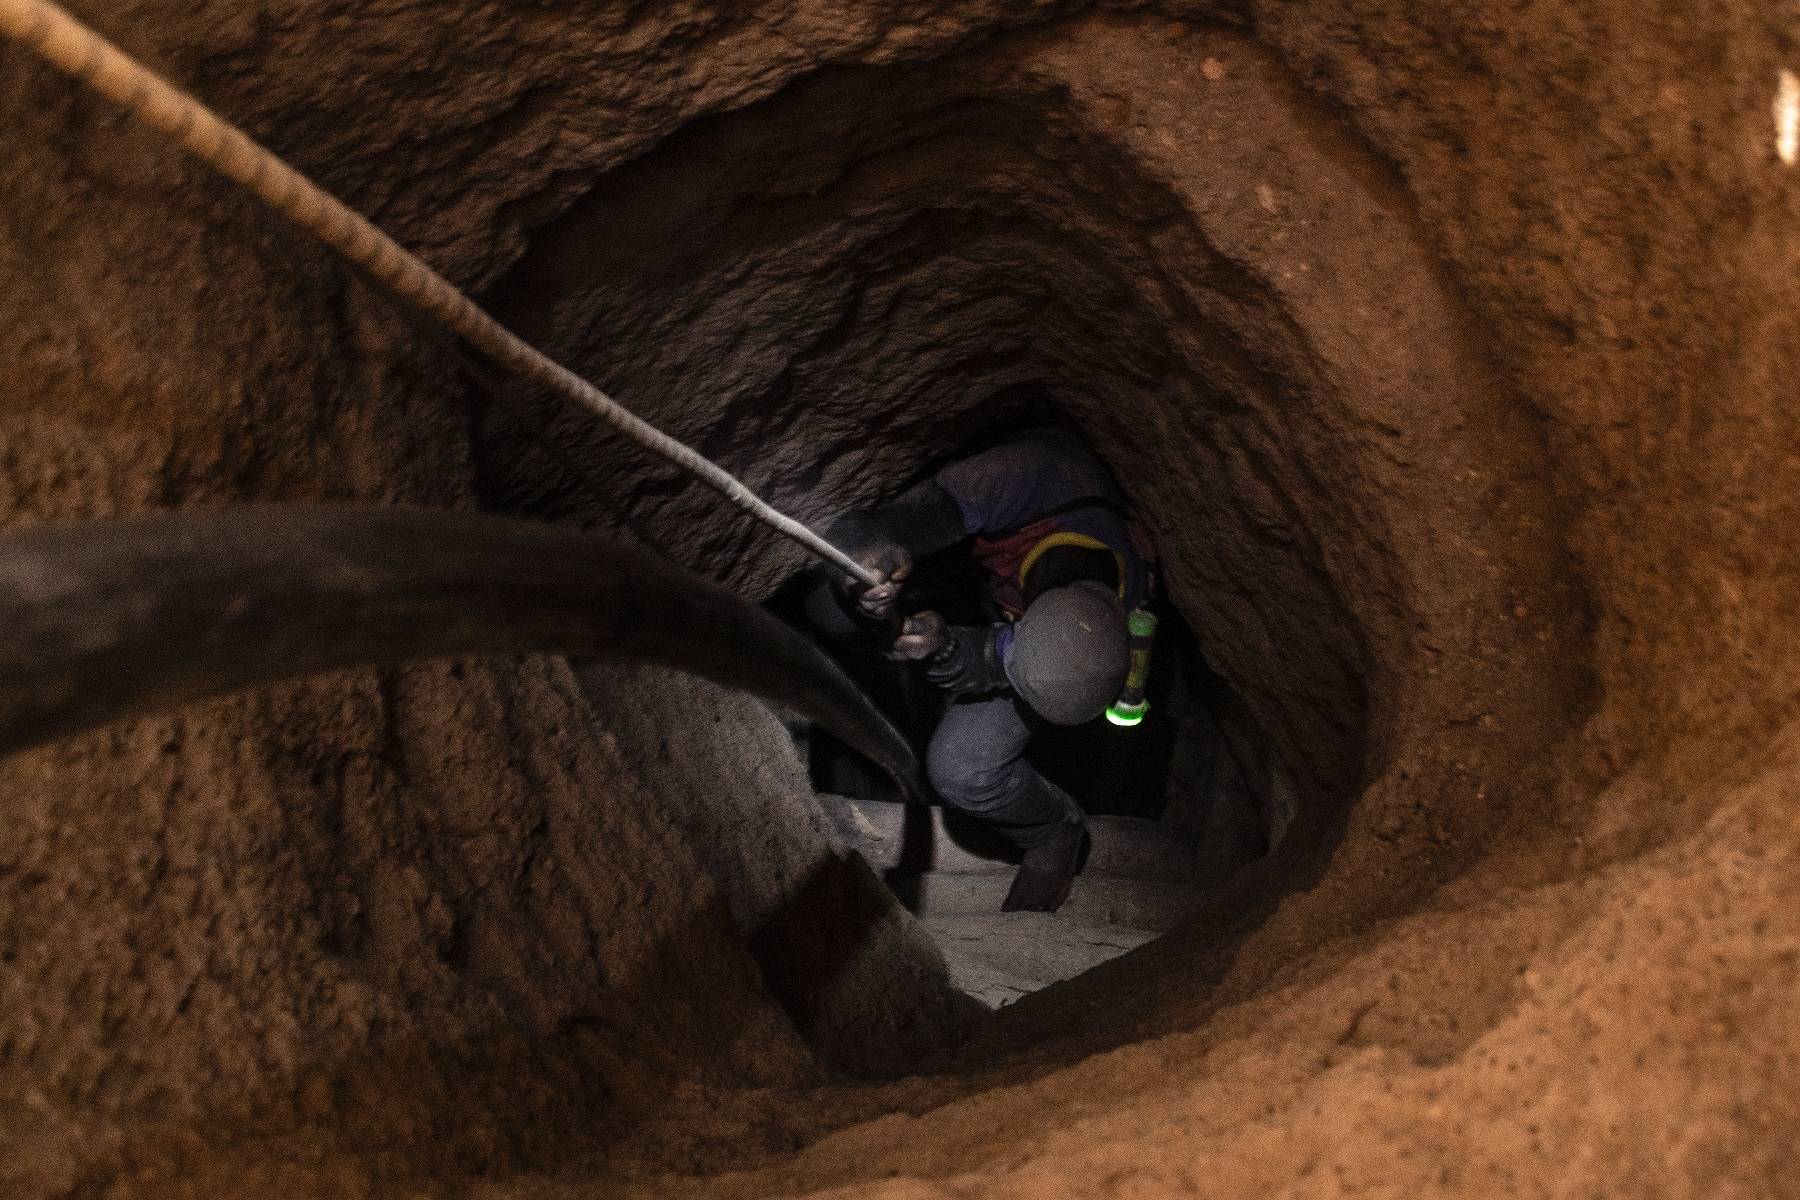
{"x": 1050, "y": 533}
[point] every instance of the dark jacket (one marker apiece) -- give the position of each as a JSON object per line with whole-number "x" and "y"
{"x": 1041, "y": 512}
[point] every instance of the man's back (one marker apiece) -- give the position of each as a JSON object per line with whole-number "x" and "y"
{"x": 1035, "y": 491}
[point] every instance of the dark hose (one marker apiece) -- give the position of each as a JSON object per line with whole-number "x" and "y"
{"x": 114, "y": 619}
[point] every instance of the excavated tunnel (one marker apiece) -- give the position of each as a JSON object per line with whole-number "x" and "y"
{"x": 555, "y": 926}
{"x": 833, "y": 288}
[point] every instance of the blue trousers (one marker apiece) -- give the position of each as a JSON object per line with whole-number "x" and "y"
{"x": 976, "y": 761}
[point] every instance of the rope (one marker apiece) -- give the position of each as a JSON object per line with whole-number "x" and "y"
{"x": 73, "y": 48}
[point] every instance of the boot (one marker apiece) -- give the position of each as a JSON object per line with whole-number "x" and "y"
{"x": 1048, "y": 871}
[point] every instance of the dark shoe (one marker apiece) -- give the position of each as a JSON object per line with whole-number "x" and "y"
{"x": 1045, "y": 876}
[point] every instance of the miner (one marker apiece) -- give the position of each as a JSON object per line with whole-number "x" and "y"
{"x": 1058, "y": 569}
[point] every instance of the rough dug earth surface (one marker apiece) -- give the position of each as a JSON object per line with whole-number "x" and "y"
{"x": 1450, "y": 352}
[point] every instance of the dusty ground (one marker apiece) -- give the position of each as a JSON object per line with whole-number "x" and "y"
{"x": 1451, "y": 351}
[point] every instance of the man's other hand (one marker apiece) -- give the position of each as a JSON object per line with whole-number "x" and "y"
{"x": 921, "y": 637}
{"x": 893, "y": 566}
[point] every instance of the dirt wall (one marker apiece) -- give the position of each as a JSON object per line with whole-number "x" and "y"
{"x": 1449, "y": 350}
{"x": 431, "y": 919}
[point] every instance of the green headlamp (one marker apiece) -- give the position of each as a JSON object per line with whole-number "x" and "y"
{"x": 1132, "y": 704}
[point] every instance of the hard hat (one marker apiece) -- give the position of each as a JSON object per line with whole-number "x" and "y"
{"x": 1068, "y": 658}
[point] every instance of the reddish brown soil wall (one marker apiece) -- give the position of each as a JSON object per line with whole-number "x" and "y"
{"x": 1450, "y": 352}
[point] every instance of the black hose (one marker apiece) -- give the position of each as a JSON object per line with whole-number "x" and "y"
{"x": 113, "y": 619}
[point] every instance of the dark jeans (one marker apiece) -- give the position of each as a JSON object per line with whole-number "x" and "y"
{"x": 976, "y": 762}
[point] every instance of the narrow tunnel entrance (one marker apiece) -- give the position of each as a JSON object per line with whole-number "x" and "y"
{"x": 847, "y": 293}
{"x": 1177, "y": 805}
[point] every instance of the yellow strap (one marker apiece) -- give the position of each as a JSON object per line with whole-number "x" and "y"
{"x": 1071, "y": 539}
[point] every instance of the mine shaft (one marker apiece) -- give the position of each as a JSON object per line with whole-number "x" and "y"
{"x": 1010, "y": 599}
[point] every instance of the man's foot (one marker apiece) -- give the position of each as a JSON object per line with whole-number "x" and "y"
{"x": 1045, "y": 876}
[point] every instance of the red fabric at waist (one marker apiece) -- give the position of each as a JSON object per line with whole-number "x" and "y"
{"x": 1001, "y": 558}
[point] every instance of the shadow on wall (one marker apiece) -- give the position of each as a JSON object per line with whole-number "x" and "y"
{"x": 816, "y": 938}
{"x": 863, "y": 985}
